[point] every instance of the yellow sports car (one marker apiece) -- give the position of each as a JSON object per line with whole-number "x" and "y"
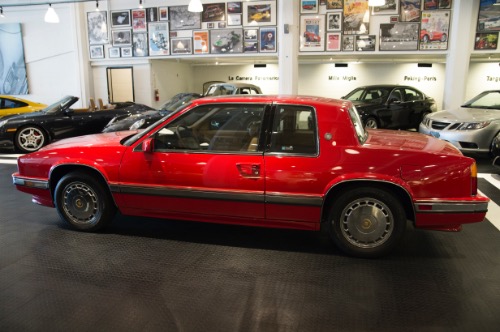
{"x": 12, "y": 105}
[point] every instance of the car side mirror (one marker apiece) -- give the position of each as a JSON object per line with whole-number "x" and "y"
{"x": 148, "y": 145}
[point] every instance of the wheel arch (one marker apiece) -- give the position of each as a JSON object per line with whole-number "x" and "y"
{"x": 337, "y": 189}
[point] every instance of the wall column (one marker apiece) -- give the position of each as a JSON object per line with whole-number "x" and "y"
{"x": 288, "y": 46}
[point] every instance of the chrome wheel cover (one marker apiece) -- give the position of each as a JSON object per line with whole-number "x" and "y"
{"x": 31, "y": 139}
{"x": 81, "y": 204}
{"x": 371, "y": 123}
{"x": 366, "y": 223}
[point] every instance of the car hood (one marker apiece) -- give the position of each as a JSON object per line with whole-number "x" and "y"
{"x": 408, "y": 141}
{"x": 104, "y": 139}
{"x": 22, "y": 116}
{"x": 463, "y": 114}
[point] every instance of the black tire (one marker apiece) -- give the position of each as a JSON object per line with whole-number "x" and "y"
{"x": 425, "y": 39}
{"x": 30, "y": 139}
{"x": 84, "y": 202}
{"x": 367, "y": 222}
{"x": 371, "y": 122}
{"x": 444, "y": 37}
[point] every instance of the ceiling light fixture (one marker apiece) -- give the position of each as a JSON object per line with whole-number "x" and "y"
{"x": 97, "y": 5}
{"x": 1, "y": 12}
{"x": 51, "y": 15}
{"x": 195, "y": 6}
{"x": 140, "y": 4}
{"x": 376, "y": 3}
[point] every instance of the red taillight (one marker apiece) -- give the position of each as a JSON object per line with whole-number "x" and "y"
{"x": 473, "y": 179}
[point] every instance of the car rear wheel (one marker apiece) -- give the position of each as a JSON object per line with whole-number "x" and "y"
{"x": 444, "y": 37}
{"x": 367, "y": 222}
{"x": 30, "y": 139}
{"x": 371, "y": 123}
{"x": 84, "y": 202}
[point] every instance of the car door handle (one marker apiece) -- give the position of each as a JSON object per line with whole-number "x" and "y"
{"x": 249, "y": 170}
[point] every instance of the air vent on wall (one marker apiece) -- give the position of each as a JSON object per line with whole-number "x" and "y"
{"x": 260, "y": 65}
{"x": 341, "y": 65}
{"x": 425, "y": 65}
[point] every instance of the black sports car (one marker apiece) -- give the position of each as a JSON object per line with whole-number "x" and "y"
{"x": 391, "y": 106}
{"x": 144, "y": 119}
{"x": 30, "y": 132}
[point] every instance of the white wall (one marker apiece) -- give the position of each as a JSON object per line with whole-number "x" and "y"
{"x": 170, "y": 77}
{"x": 482, "y": 76}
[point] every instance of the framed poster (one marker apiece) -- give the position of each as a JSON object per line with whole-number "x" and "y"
{"x": 257, "y": 13}
{"x": 334, "y": 4}
{"x": 398, "y": 37}
{"x": 97, "y": 51}
{"x": 334, "y": 21}
{"x": 250, "y": 40}
{"x": 214, "y": 12}
{"x": 356, "y": 17}
{"x": 163, "y": 13}
{"x": 434, "y": 29}
{"x": 268, "y": 39}
{"x": 489, "y": 17}
{"x": 308, "y": 6}
{"x": 140, "y": 44}
{"x": 234, "y": 7}
{"x": 348, "y": 43}
{"x": 121, "y": 37}
{"x": 445, "y": 4}
{"x": 151, "y": 14}
{"x": 201, "y": 42}
{"x": 226, "y": 41}
{"x": 126, "y": 52}
{"x": 486, "y": 41}
{"x": 120, "y": 18}
{"x": 391, "y": 7}
{"x": 114, "y": 52}
{"x": 139, "y": 20}
{"x": 97, "y": 25}
{"x": 333, "y": 41}
{"x": 410, "y": 10}
{"x": 312, "y": 33}
{"x": 365, "y": 43}
{"x": 181, "y": 46}
{"x": 158, "y": 38}
{"x": 233, "y": 19}
{"x": 182, "y": 19}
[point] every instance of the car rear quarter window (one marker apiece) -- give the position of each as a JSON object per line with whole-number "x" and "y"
{"x": 294, "y": 130}
{"x": 8, "y": 103}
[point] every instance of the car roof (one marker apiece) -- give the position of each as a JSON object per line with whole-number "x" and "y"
{"x": 236, "y": 84}
{"x": 281, "y": 99}
{"x": 384, "y": 86}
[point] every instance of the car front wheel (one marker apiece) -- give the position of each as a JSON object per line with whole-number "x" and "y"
{"x": 30, "y": 139}
{"x": 84, "y": 202}
{"x": 371, "y": 123}
{"x": 367, "y": 222}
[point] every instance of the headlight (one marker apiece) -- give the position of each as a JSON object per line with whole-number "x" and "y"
{"x": 2, "y": 123}
{"x": 473, "y": 125}
{"x": 138, "y": 124}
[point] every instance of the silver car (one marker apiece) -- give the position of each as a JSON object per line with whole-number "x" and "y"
{"x": 472, "y": 127}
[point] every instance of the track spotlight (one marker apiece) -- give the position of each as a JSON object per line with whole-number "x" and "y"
{"x": 140, "y": 4}
{"x": 195, "y": 6}
{"x": 51, "y": 15}
{"x": 1, "y": 13}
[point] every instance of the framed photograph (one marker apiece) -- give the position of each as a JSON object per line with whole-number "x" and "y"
{"x": 114, "y": 52}
{"x": 334, "y": 4}
{"x": 268, "y": 40}
{"x": 356, "y": 17}
{"x": 365, "y": 43}
{"x": 234, "y": 7}
{"x": 173, "y": 34}
{"x": 221, "y": 25}
{"x": 398, "y": 37}
{"x": 163, "y": 13}
{"x": 97, "y": 51}
{"x": 489, "y": 17}
{"x": 120, "y": 18}
{"x": 97, "y": 25}
{"x": 121, "y": 37}
{"x": 308, "y": 6}
{"x": 348, "y": 43}
{"x": 434, "y": 29}
{"x": 139, "y": 20}
{"x": 182, "y": 19}
{"x": 233, "y": 19}
{"x": 486, "y": 41}
{"x": 226, "y": 41}
{"x": 410, "y": 10}
{"x": 250, "y": 40}
{"x": 214, "y": 12}
{"x": 201, "y": 43}
{"x": 312, "y": 33}
{"x": 151, "y": 14}
{"x": 430, "y": 4}
{"x": 391, "y": 7}
{"x": 158, "y": 38}
{"x": 393, "y": 19}
{"x": 333, "y": 41}
{"x": 334, "y": 21}
{"x": 181, "y": 46}
{"x": 126, "y": 52}
{"x": 446, "y": 4}
{"x": 210, "y": 25}
{"x": 140, "y": 44}
{"x": 257, "y": 13}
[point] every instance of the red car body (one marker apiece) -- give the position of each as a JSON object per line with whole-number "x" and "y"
{"x": 300, "y": 180}
{"x": 311, "y": 36}
{"x": 428, "y": 36}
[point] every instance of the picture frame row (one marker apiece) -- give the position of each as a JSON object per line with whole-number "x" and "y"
{"x": 391, "y": 7}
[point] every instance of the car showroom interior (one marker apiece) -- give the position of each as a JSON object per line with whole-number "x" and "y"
{"x": 254, "y": 165}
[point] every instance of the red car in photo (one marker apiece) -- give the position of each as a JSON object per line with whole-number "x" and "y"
{"x": 311, "y": 37}
{"x": 270, "y": 161}
{"x": 429, "y": 36}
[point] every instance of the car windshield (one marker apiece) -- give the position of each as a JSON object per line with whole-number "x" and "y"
{"x": 64, "y": 103}
{"x": 369, "y": 94}
{"x": 358, "y": 125}
{"x": 177, "y": 102}
{"x": 487, "y": 99}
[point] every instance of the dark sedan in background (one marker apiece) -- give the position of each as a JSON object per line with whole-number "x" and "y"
{"x": 30, "y": 132}
{"x": 391, "y": 106}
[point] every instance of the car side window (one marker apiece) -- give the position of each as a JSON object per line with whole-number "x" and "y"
{"x": 294, "y": 130}
{"x": 396, "y": 95}
{"x": 13, "y": 104}
{"x": 214, "y": 128}
{"x": 411, "y": 95}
